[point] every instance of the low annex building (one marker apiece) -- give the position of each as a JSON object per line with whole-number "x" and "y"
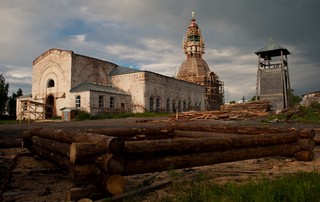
{"x": 63, "y": 80}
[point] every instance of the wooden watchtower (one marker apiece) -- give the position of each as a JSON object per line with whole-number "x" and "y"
{"x": 273, "y": 82}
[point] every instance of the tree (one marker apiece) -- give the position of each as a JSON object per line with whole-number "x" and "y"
{"x": 13, "y": 103}
{"x": 4, "y": 88}
{"x": 293, "y": 99}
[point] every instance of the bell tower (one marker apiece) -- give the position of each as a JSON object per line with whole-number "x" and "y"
{"x": 196, "y": 70}
{"x": 273, "y": 82}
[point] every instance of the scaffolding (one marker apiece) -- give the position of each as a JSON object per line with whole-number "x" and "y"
{"x": 30, "y": 109}
{"x": 214, "y": 93}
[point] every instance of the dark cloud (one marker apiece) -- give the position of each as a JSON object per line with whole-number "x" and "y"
{"x": 148, "y": 34}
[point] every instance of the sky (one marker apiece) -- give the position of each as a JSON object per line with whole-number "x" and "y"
{"x": 147, "y": 35}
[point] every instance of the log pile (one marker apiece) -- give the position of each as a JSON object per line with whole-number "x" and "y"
{"x": 237, "y": 111}
{"x": 103, "y": 159}
{"x": 77, "y": 152}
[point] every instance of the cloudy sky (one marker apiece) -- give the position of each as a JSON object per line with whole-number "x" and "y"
{"x": 147, "y": 34}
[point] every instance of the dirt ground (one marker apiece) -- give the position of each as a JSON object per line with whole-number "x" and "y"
{"x": 34, "y": 179}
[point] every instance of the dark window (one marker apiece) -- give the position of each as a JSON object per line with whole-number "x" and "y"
{"x": 184, "y": 106}
{"x": 101, "y": 101}
{"x": 168, "y": 106}
{"x": 158, "y": 105}
{"x": 111, "y": 103}
{"x": 50, "y": 83}
{"x": 151, "y": 104}
{"x": 173, "y": 105}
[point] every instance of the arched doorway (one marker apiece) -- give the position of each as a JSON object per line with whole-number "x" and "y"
{"x": 50, "y": 108}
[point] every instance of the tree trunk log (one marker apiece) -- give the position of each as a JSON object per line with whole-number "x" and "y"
{"x": 77, "y": 193}
{"x": 255, "y": 130}
{"x": 58, "y": 159}
{"x": 111, "y": 164}
{"x": 16, "y": 143}
{"x": 304, "y": 155}
{"x": 84, "y": 173}
{"x": 306, "y": 144}
{"x": 216, "y": 142}
{"x": 134, "y": 133}
{"x": 207, "y": 158}
{"x": 317, "y": 136}
{"x": 111, "y": 144}
{"x": 85, "y": 152}
{"x": 113, "y": 184}
{"x": 52, "y": 145}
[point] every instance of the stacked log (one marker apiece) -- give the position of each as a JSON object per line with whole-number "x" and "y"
{"x": 237, "y": 111}
{"x": 104, "y": 159}
{"x": 77, "y": 152}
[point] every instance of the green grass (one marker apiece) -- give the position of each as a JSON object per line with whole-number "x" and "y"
{"x": 298, "y": 187}
{"x": 8, "y": 121}
{"x": 86, "y": 116}
{"x": 301, "y": 114}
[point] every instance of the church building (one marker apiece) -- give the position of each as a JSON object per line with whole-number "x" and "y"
{"x": 64, "y": 82}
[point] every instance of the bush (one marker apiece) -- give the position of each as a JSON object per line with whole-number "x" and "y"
{"x": 82, "y": 115}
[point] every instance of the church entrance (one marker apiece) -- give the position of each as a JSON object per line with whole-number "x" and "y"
{"x": 49, "y": 109}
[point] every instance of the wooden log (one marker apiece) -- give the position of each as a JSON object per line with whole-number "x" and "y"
{"x": 248, "y": 130}
{"x": 317, "y": 136}
{"x": 6, "y": 178}
{"x": 52, "y": 145}
{"x": 77, "y": 193}
{"x": 304, "y": 155}
{"x": 134, "y": 133}
{"x": 200, "y": 159}
{"x": 139, "y": 190}
{"x": 195, "y": 145}
{"x": 113, "y": 184}
{"x": 306, "y": 144}
{"x": 15, "y": 143}
{"x": 111, "y": 164}
{"x": 84, "y": 173}
{"x": 110, "y": 144}
{"x": 306, "y": 133}
{"x": 58, "y": 159}
{"x": 85, "y": 152}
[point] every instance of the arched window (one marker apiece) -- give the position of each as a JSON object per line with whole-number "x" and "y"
{"x": 50, "y": 83}
{"x": 173, "y": 106}
{"x": 78, "y": 101}
{"x": 151, "y": 104}
{"x": 158, "y": 104}
{"x": 184, "y": 106}
{"x": 168, "y": 105}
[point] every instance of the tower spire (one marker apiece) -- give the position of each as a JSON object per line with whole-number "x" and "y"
{"x": 193, "y": 44}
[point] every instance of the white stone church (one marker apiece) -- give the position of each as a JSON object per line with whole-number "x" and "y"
{"x": 63, "y": 81}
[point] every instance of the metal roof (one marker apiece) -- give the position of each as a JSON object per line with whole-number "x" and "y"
{"x": 272, "y": 49}
{"x": 118, "y": 70}
{"x": 89, "y": 86}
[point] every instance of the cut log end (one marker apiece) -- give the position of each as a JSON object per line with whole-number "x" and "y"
{"x": 304, "y": 155}
{"x": 114, "y": 184}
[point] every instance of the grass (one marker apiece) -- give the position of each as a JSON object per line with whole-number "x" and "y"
{"x": 301, "y": 114}
{"x": 299, "y": 187}
{"x": 86, "y": 116}
{"x": 8, "y": 121}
